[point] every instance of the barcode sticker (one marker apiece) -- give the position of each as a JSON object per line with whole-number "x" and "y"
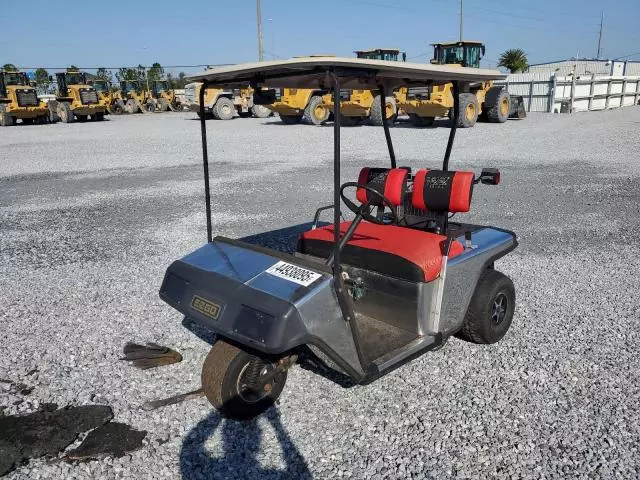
{"x": 293, "y": 273}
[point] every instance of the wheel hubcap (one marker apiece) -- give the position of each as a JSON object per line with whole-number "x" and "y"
{"x": 318, "y": 112}
{"x": 499, "y": 308}
{"x": 389, "y": 109}
{"x": 470, "y": 111}
{"x": 249, "y": 387}
{"x": 504, "y": 106}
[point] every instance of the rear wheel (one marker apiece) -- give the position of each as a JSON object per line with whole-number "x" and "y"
{"x": 418, "y": 121}
{"x": 231, "y": 381}
{"x": 467, "y": 110}
{"x": 163, "y": 105}
{"x": 315, "y": 112}
{"x": 224, "y": 109}
{"x": 260, "y": 111}
{"x": 491, "y": 309}
{"x": 291, "y": 119}
{"x": 391, "y": 111}
{"x": 151, "y": 106}
{"x": 497, "y": 105}
{"x": 118, "y": 107}
{"x": 6, "y": 120}
{"x": 82, "y": 118}
{"x": 64, "y": 113}
{"x": 98, "y": 117}
{"x": 244, "y": 114}
{"x": 131, "y": 106}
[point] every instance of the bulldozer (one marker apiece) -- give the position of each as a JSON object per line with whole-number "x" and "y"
{"x": 76, "y": 100}
{"x": 162, "y": 98}
{"x": 224, "y": 104}
{"x": 357, "y": 106}
{"x": 19, "y": 100}
{"x": 108, "y": 97}
{"x": 483, "y": 101}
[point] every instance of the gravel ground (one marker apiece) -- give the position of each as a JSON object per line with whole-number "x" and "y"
{"x": 92, "y": 214}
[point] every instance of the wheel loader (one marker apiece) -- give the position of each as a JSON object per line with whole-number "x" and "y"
{"x": 481, "y": 101}
{"x": 108, "y": 97}
{"x": 358, "y": 106}
{"x": 162, "y": 98}
{"x": 223, "y": 104}
{"x": 297, "y": 105}
{"x": 76, "y": 100}
{"x": 135, "y": 96}
{"x": 19, "y": 101}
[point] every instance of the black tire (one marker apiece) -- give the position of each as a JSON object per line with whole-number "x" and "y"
{"x": 98, "y": 117}
{"x": 42, "y": 120}
{"x": 291, "y": 119}
{"x": 260, "y": 111}
{"x": 244, "y": 114}
{"x": 131, "y": 106}
{"x": 375, "y": 116}
{"x": 350, "y": 121}
{"x": 468, "y": 110}
{"x": 28, "y": 121}
{"x": 497, "y": 104}
{"x": 224, "y": 109}
{"x": 314, "y": 112}
{"x": 151, "y": 106}
{"x": 224, "y": 373}
{"x": 64, "y": 113}
{"x": 485, "y": 322}
{"x": 421, "y": 122}
{"x": 118, "y": 107}
{"x": 82, "y": 118}
{"x": 6, "y": 120}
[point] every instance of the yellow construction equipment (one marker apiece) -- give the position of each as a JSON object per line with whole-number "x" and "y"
{"x": 296, "y": 105}
{"x": 357, "y": 106}
{"x": 110, "y": 98}
{"x": 223, "y": 104}
{"x": 483, "y": 100}
{"x": 76, "y": 100}
{"x": 162, "y": 97}
{"x": 135, "y": 96}
{"x": 19, "y": 100}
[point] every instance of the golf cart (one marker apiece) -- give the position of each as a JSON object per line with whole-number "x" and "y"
{"x": 357, "y": 298}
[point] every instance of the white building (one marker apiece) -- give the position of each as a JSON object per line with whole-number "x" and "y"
{"x": 588, "y": 66}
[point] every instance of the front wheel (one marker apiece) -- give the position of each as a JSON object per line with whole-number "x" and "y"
{"x": 491, "y": 308}
{"x": 231, "y": 380}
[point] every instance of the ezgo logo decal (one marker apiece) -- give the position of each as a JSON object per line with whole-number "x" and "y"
{"x": 206, "y": 307}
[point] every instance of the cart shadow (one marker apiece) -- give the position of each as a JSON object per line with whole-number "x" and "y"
{"x": 241, "y": 442}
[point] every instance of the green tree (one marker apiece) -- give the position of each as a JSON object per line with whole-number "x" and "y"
{"x": 9, "y": 67}
{"x": 42, "y": 77}
{"x": 515, "y": 60}
{"x": 104, "y": 74}
{"x": 73, "y": 67}
{"x": 156, "y": 72}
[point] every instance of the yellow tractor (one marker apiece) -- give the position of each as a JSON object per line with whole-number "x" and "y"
{"x": 483, "y": 100}
{"x": 223, "y": 104}
{"x": 135, "y": 96}
{"x": 357, "y": 106}
{"x": 76, "y": 100}
{"x": 108, "y": 97}
{"x": 19, "y": 100}
{"x": 162, "y": 98}
{"x": 296, "y": 105}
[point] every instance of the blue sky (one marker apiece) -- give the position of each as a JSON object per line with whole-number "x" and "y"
{"x": 121, "y": 33}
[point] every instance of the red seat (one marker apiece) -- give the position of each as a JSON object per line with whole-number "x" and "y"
{"x": 398, "y": 252}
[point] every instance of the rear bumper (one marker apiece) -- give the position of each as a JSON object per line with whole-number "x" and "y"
{"x": 28, "y": 112}
{"x": 89, "y": 109}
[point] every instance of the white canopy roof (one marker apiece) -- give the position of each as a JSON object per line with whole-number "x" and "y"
{"x": 354, "y": 73}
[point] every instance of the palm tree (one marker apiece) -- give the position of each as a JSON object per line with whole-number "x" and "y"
{"x": 514, "y": 59}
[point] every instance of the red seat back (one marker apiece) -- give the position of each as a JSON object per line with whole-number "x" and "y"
{"x": 390, "y": 182}
{"x": 440, "y": 191}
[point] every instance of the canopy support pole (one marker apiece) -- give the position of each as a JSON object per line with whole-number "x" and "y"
{"x": 385, "y": 125}
{"x": 336, "y": 176}
{"x": 454, "y": 127}
{"x": 205, "y": 161}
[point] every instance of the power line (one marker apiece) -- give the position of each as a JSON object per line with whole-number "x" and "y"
{"x": 202, "y": 65}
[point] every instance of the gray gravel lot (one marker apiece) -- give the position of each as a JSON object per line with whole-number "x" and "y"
{"x": 92, "y": 214}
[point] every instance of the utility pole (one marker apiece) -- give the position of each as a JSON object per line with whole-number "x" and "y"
{"x": 260, "y": 51}
{"x": 461, "y": 19}
{"x": 600, "y": 36}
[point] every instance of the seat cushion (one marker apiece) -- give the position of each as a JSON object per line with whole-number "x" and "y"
{"x": 398, "y": 252}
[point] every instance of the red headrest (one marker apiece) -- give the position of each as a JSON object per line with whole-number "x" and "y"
{"x": 439, "y": 191}
{"x": 390, "y": 182}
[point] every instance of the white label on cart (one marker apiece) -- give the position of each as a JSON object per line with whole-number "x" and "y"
{"x": 293, "y": 273}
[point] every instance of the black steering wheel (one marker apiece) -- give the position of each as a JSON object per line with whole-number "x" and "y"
{"x": 365, "y": 209}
